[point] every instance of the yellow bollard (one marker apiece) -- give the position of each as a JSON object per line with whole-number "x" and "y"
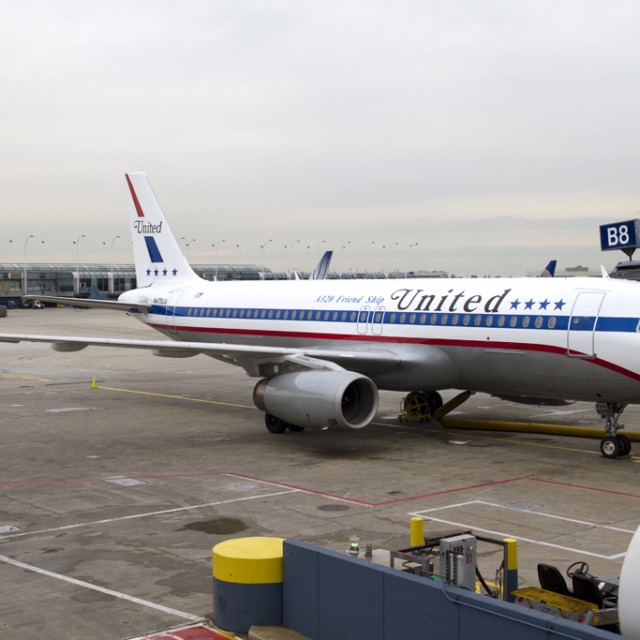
{"x": 417, "y": 531}
{"x": 511, "y": 570}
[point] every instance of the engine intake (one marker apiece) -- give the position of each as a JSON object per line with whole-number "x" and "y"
{"x": 319, "y": 399}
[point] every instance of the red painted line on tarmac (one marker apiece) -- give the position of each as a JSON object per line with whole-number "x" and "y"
{"x": 197, "y": 632}
{"x": 326, "y": 494}
{"x": 586, "y": 488}
{"x": 445, "y": 491}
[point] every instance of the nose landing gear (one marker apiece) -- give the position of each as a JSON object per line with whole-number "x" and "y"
{"x": 613, "y": 444}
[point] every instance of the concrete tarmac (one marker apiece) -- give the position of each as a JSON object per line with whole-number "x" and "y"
{"x": 114, "y": 493}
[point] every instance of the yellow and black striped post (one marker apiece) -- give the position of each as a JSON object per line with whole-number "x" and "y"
{"x": 247, "y": 583}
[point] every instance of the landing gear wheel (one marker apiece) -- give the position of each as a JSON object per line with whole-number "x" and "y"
{"x": 274, "y": 424}
{"x": 611, "y": 446}
{"x": 625, "y": 444}
{"x": 416, "y": 405}
{"x": 434, "y": 401}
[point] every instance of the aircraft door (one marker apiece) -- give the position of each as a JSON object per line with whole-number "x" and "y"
{"x": 582, "y": 324}
{"x": 363, "y": 320}
{"x": 370, "y": 321}
{"x": 173, "y": 312}
{"x": 377, "y": 321}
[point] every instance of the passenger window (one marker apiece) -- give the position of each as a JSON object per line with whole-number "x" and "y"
{"x": 513, "y": 322}
{"x": 477, "y": 320}
{"x": 454, "y": 320}
{"x": 526, "y": 321}
{"x": 552, "y": 322}
{"x": 538, "y": 323}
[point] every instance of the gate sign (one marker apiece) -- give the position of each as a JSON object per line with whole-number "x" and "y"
{"x": 620, "y": 235}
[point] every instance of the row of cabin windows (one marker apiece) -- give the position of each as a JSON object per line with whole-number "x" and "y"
{"x": 443, "y": 319}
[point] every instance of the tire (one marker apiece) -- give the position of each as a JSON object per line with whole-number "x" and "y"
{"x": 611, "y": 446}
{"x": 274, "y": 424}
{"x": 625, "y": 445}
{"x": 434, "y": 401}
{"x": 416, "y": 405}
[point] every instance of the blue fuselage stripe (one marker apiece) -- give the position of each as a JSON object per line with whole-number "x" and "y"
{"x": 405, "y": 318}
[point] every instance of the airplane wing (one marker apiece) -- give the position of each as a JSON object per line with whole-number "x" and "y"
{"x": 90, "y": 303}
{"x": 256, "y": 360}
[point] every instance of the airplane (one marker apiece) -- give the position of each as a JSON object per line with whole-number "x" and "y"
{"x": 322, "y": 349}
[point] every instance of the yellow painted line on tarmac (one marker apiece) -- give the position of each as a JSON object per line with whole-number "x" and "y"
{"x": 543, "y": 446}
{"x": 23, "y": 377}
{"x": 173, "y": 397}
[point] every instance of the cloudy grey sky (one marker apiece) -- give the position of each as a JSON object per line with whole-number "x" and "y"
{"x": 475, "y": 136}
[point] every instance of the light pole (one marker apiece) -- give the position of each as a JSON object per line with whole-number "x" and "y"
{"x": 24, "y": 265}
{"x": 215, "y": 246}
{"x": 293, "y": 244}
{"x": 389, "y": 246}
{"x": 77, "y": 243}
{"x": 264, "y": 248}
{"x": 187, "y": 243}
{"x": 111, "y": 287}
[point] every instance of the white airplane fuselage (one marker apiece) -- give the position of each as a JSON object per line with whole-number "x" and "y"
{"x": 560, "y": 338}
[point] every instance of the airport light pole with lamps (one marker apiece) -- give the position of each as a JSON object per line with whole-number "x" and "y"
{"x": 24, "y": 265}
{"x": 111, "y": 286}
{"x": 77, "y": 282}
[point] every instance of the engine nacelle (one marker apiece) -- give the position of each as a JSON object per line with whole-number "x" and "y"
{"x": 319, "y": 399}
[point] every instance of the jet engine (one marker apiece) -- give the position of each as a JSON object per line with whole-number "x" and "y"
{"x": 318, "y": 399}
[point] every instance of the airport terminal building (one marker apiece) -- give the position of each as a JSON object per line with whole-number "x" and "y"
{"x": 101, "y": 280}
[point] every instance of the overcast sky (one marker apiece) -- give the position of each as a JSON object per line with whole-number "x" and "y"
{"x": 466, "y": 135}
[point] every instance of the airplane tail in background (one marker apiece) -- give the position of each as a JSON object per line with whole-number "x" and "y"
{"x": 549, "y": 270}
{"x": 320, "y": 272}
{"x": 157, "y": 254}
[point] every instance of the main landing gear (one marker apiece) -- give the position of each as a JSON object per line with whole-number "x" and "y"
{"x": 277, "y": 425}
{"x": 419, "y": 406}
{"x": 613, "y": 444}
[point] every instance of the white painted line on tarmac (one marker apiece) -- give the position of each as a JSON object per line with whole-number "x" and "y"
{"x": 148, "y": 514}
{"x": 424, "y": 512}
{"x": 94, "y": 587}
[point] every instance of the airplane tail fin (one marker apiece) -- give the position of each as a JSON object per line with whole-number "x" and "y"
{"x": 550, "y": 270}
{"x": 157, "y": 254}
{"x": 320, "y": 272}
